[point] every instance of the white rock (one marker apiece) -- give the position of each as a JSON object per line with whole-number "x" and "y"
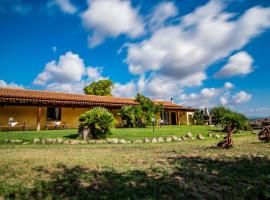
{"x": 146, "y": 140}
{"x": 175, "y": 138}
{"x": 59, "y": 140}
{"x": 122, "y": 141}
{"x": 112, "y": 140}
{"x": 36, "y": 140}
{"x": 91, "y": 141}
{"x": 168, "y": 139}
{"x": 26, "y": 143}
{"x": 154, "y": 140}
{"x": 210, "y": 135}
{"x": 200, "y": 137}
{"x": 74, "y": 142}
{"x": 189, "y": 135}
{"x": 217, "y": 136}
{"x": 160, "y": 139}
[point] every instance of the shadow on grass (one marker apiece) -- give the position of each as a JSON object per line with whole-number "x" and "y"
{"x": 72, "y": 136}
{"x": 191, "y": 178}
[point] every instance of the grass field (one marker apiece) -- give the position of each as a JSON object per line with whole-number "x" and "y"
{"x": 179, "y": 170}
{"x": 125, "y": 133}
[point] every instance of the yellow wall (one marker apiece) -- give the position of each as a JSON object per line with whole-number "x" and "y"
{"x": 71, "y": 115}
{"x": 27, "y": 114}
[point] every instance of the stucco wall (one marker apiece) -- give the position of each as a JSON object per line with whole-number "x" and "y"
{"x": 27, "y": 114}
{"x": 71, "y": 115}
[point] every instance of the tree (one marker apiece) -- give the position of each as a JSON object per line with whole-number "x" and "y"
{"x": 198, "y": 117}
{"x": 127, "y": 113}
{"x": 236, "y": 120}
{"x": 101, "y": 88}
{"x": 97, "y": 121}
{"x": 217, "y": 113}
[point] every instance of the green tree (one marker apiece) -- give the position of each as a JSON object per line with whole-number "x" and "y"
{"x": 101, "y": 88}
{"x": 127, "y": 113}
{"x": 198, "y": 117}
{"x": 217, "y": 113}
{"x": 99, "y": 121}
{"x": 234, "y": 119}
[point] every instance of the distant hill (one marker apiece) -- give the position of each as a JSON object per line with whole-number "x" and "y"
{"x": 257, "y": 117}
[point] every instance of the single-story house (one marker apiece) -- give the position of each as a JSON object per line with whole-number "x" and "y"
{"x": 36, "y": 110}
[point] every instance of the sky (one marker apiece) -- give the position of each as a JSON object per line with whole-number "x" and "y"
{"x": 201, "y": 53}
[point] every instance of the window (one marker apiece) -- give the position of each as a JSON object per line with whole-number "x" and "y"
{"x": 53, "y": 113}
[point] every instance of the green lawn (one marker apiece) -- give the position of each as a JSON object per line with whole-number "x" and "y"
{"x": 179, "y": 170}
{"x": 125, "y": 133}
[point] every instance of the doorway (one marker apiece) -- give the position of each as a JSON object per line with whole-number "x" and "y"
{"x": 173, "y": 118}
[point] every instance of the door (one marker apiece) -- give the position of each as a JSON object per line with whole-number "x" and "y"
{"x": 173, "y": 118}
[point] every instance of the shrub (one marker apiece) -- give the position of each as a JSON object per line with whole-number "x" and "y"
{"x": 237, "y": 120}
{"x": 99, "y": 121}
{"x": 217, "y": 114}
{"x": 198, "y": 117}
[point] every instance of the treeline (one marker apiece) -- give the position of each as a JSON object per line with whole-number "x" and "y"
{"x": 222, "y": 116}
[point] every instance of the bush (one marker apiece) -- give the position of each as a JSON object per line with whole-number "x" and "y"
{"x": 198, "y": 117}
{"x": 99, "y": 121}
{"x": 217, "y": 114}
{"x": 237, "y": 120}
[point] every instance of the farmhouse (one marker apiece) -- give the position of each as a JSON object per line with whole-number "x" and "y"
{"x": 36, "y": 110}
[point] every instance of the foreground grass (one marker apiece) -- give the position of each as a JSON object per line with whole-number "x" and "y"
{"x": 186, "y": 170}
{"x": 125, "y": 133}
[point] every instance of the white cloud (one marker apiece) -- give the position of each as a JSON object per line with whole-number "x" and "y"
{"x": 201, "y": 38}
{"x": 238, "y": 64}
{"x": 9, "y": 85}
{"x": 261, "y": 111}
{"x": 64, "y": 5}
{"x": 69, "y": 68}
{"x": 95, "y": 73}
{"x": 111, "y": 19}
{"x": 161, "y": 13}
{"x": 228, "y": 85}
{"x": 241, "y": 97}
{"x": 124, "y": 90}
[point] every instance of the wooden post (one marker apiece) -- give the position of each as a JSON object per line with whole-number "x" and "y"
{"x": 38, "y": 118}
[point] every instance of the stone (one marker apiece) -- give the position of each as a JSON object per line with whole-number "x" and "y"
{"x": 137, "y": 141}
{"x": 184, "y": 138}
{"x": 210, "y": 135}
{"x": 66, "y": 142}
{"x": 7, "y": 141}
{"x": 36, "y": 140}
{"x": 189, "y": 135}
{"x": 193, "y": 138}
{"x": 91, "y": 141}
{"x": 16, "y": 141}
{"x": 179, "y": 139}
{"x": 43, "y": 141}
{"x": 146, "y": 140}
{"x": 122, "y": 141}
{"x": 216, "y": 136}
{"x": 168, "y": 139}
{"x": 59, "y": 140}
{"x": 49, "y": 140}
{"x": 175, "y": 138}
{"x": 200, "y": 137}
{"x": 74, "y": 142}
{"x": 128, "y": 142}
{"x": 26, "y": 143}
{"x": 160, "y": 139}
{"x": 154, "y": 140}
{"x": 112, "y": 140}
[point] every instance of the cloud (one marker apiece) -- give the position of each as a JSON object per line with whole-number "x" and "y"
{"x": 69, "y": 68}
{"x": 161, "y": 13}
{"x": 238, "y": 64}
{"x": 209, "y": 97}
{"x": 124, "y": 90}
{"x": 64, "y": 5}
{"x": 111, "y": 19}
{"x": 201, "y": 38}
{"x": 95, "y": 73}
{"x": 68, "y": 74}
{"x": 9, "y": 85}
{"x": 261, "y": 111}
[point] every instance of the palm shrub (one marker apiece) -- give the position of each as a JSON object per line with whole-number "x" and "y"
{"x": 99, "y": 121}
{"x": 127, "y": 113}
{"x": 234, "y": 119}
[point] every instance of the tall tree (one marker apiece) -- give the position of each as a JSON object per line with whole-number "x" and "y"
{"x": 101, "y": 88}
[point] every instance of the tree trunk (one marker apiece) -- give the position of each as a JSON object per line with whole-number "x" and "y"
{"x": 85, "y": 133}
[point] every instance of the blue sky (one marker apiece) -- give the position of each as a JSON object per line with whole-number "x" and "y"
{"x": 201, "y": 53}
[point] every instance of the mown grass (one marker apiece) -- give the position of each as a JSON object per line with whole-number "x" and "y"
{"x": 186, "y": 170}
{"x": 125, "y": 133}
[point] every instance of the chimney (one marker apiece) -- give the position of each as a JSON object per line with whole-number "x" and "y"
{"x": 171, "y": 100}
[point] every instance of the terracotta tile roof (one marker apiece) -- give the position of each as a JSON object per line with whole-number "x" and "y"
{"x": 37, "y": 97}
